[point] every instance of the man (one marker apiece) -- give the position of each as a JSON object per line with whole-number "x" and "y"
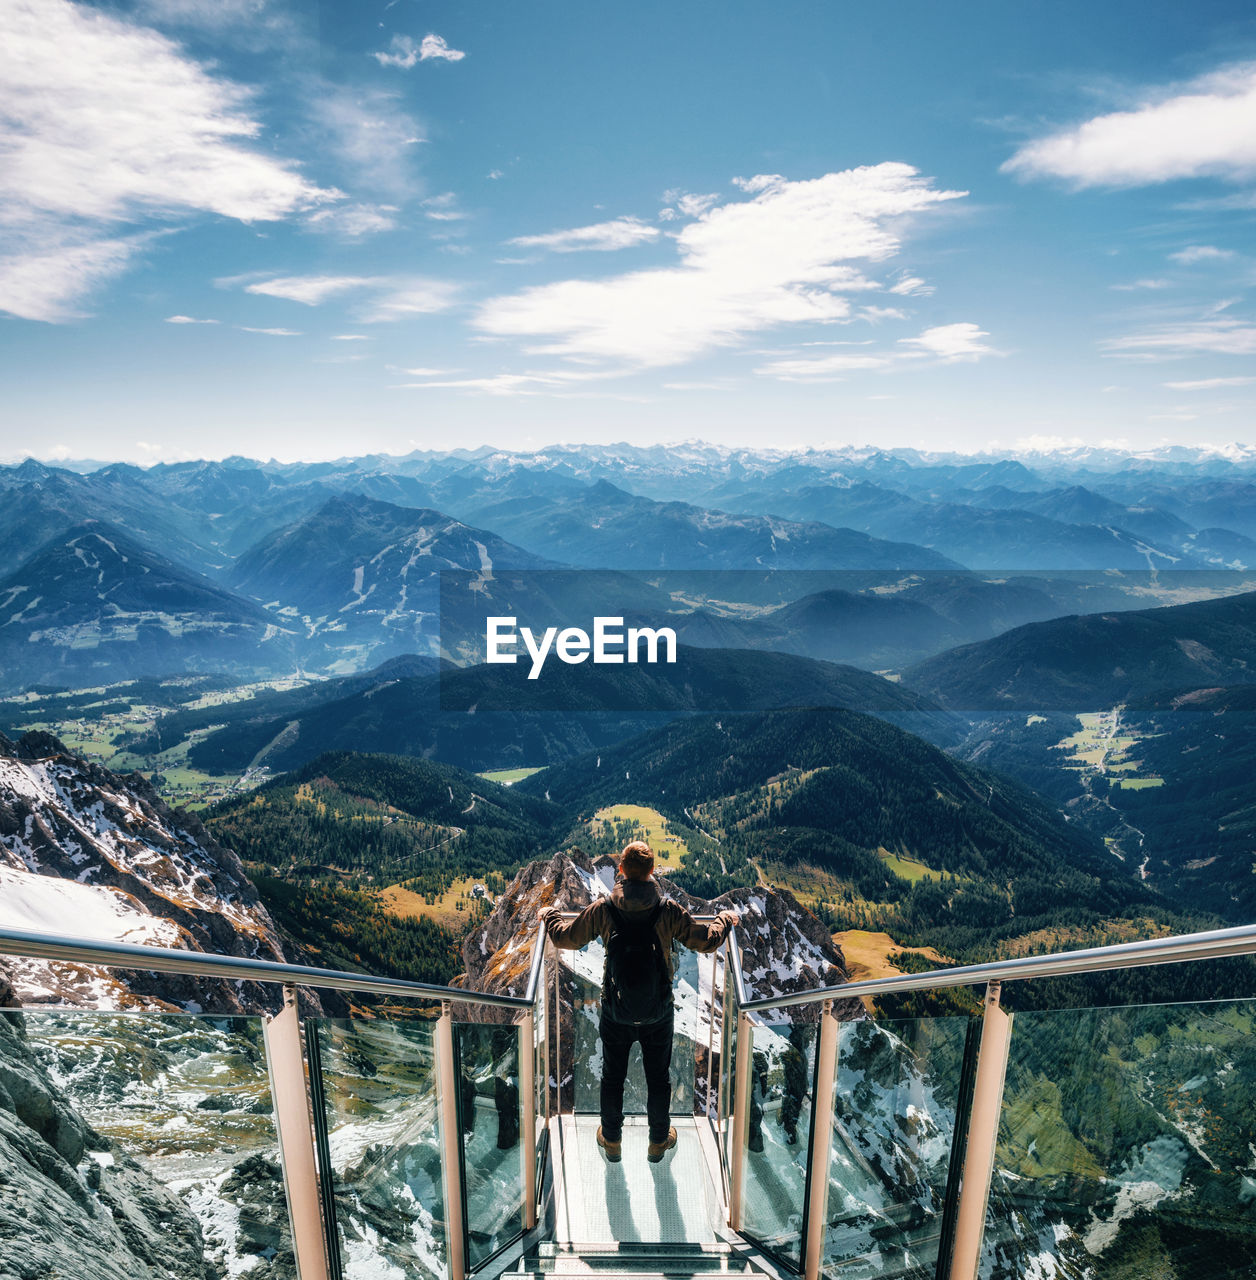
{"x": 638, "y": 925}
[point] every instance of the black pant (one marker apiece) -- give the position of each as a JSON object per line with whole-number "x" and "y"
{"x": 656, "y": 1058}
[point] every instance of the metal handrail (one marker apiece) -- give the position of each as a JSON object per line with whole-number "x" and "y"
{"x": 1215, "y": 943}
{"x": 130, "y": 955}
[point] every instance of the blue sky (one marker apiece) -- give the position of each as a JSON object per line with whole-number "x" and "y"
{"x": 310, "y": 230}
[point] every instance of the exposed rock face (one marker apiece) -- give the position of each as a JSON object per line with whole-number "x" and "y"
{"x": 71, "y": 1203}
{"x": 87, "y": 852}
{"x": 784, "y": 948}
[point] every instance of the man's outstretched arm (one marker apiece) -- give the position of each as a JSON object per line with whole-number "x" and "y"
{"x": 704, "y": 937}
{"x": 574, "y": 934}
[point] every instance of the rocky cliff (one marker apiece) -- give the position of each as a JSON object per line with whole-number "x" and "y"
{"x": 784, "y": 947}
{"x": 87, "y": 852}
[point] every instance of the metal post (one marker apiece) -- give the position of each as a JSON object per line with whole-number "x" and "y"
{"x": 447, "y": 1093}
{"x": 286, "y": 1064}
{"x": 558, "y": 1036}
{"x": 712, "y": 1107}
{"x": 742, "y": 1084}
{"x": 821, "y": 1143}
{"x": 527, "y": 1115}
{"x": 983, "y": 1134}
{"x": 551, "y": 1015}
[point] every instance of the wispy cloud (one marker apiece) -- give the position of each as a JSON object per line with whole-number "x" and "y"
{"x": 782, "y": 257}
{"x": 443, "y": 208}
{"x": 1220, "y": 335}
{"x": 1135, "y": 285}
{"x": 354, "y": 220}
{"x": 273, "y": 333}
{"x": 380, "y": 298}
{"x": 405, "y": 52}
{"x": 311, "y": 290}
{"x": 373, "y": 137}
{"x": 108, "y": 123}
{"x": 911, "y": 287}
{"x": 1194, "y": 253}
{"x": 620, "y": 233}
{"x": 942, "y": 344}
{"x": 46, "y": 275}
{"x": 1210, "y": 384}
{"x": 950, "y": 343}
{"x": 1205, "y": 129}
{"x": 681, "y": 204}
{"x": 187, "y": 320}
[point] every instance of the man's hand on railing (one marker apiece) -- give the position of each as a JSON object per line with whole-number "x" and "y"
{"x": 542, "y": 916}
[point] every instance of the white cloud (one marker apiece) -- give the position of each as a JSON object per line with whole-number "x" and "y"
{"x": 443, "y": 208}
{"x": 405, "y": 53}
{"x": 416, "y": 297}
{"x": 782, "y": 257}
{"x": 274, "y": 333}
{"x": 311, "y": 290}
{"x": 387, "y": 297}
{"x": 694, "y": 206}
{"x": 1206, "y": 129}
{"x": 943, "y": 344}
{"x": 1194, "y": 253}
{"x": 1135, "y": 285}
{"x": 874, "y": 315}
{"x": 187, "y": 320}
{"x": 1218, "y": 336}
{"x": 494, "y": 174}
{"x": 107, "y": 123}
{"x": 370, "y": 132}
{"x": 621, "y": 233}
{"x": 912, "y": 287}
{"x": 826, "y": 368}
{"x": 49, "y": 274}
{"x": 950, "y": 343}
{"x": 350, "y": 337}
{"x": 354, "y": 220}
{"x": 1210, "y": 384}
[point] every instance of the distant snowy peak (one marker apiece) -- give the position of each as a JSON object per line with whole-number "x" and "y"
{"x": 87, "y": 853}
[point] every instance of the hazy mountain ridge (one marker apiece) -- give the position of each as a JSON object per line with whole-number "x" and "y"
{"x": 1096, "y": 660}
{"x": 94, "y": 606}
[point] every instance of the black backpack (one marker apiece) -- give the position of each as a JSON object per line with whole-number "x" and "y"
{"x": 636, "y": 988}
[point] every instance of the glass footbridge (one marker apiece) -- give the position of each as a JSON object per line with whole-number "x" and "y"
{"x": 455, "y": 1135}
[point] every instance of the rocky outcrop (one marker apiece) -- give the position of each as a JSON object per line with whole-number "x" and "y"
{"x": 89, "y": 852}
{"x": 784, "y": 948}
{"x": 71, "y": 1203}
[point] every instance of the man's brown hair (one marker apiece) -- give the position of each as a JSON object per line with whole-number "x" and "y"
{"x": 637, "y": 861}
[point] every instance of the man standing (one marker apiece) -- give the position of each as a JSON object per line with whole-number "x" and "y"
{"x": 637, "y": 924}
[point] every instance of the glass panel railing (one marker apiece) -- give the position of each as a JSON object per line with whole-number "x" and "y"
{"x": 382, "y": 1135}
{"x": 782, "y": 1067}
{"x": 585, "y": 970}
{"x": 898, "y": 1090}
{"x": 1126, "y": 1145}
{"x": 166, "y": 1122}
{"x": 487, "y": 1057}
{"x": 540, "y": 1067}
{"x": 728, "y": 1064}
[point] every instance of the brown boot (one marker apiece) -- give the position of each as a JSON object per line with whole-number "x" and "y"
{"x": 614, "y": 1150}
{"x": 657, "y": 1150}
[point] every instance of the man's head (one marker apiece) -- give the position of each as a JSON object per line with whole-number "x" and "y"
{"x": 637, "y": 861}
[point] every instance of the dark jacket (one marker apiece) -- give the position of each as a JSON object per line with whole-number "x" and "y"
{"x": 636, "y": 897}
